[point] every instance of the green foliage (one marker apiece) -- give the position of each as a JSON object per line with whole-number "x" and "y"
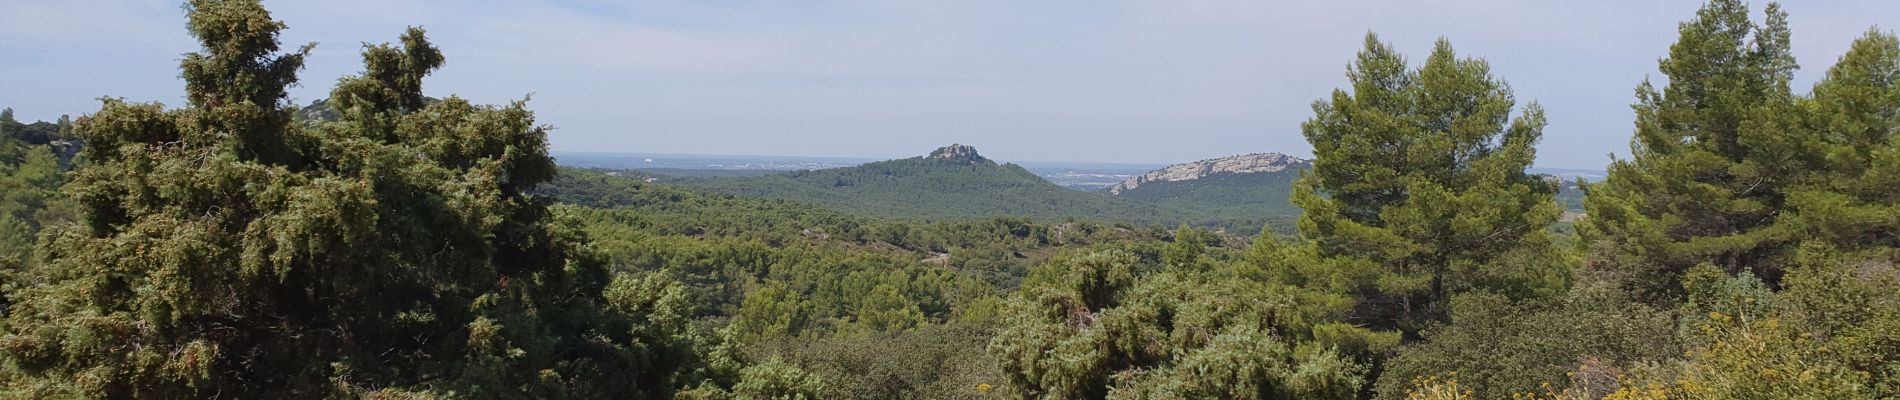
{"x": 382, "y": 243}
{"x": 823, "y": 283}
{"x": 30, "y": 177}
{"x": 1240, "y": 203}
{"x": 770, "y": 380}
{"x": 1435, "y": 388}
{"x": 1099, "y": 325}
{"x": 1849, "y": 201}
{"x": 1762, "y": 215}
{"x": 932, "y": 361}
{"x": 395, "y": 252}
{"x": 773, "y": 311}
{"x": 775, "y": 380}
{"x": 1741, "y": 348}
{"x": 37, "y": 133}
{"x": 884, "y": 310}
{"x": 28, "y": 199}
{"x": 1845, "y": 300}
{"x": 672, "y": 210}
{"x": 1714, "y": 153}
{"x": 1419, "y": 191}
{"x": 1499, "y": 348}
{"x": 32, "y": 168}
{"x": 775, "y": 269}
{"x": 874, "y": 308}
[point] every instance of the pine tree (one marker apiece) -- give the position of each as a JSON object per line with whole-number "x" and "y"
{"x": 1418, "y": 189}
{"x": 229, "y": 252}
{"x": 1714, "y": 152}
{"x": 1849, "y": 200}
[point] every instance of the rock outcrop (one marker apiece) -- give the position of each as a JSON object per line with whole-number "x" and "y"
{"x": 1241, "y": 164}
{"x": 957, "y": 152}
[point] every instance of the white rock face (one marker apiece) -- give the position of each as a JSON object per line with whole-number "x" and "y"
{"x": 1241, "y": 164}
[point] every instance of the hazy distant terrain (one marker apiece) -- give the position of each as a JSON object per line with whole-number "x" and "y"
{"x": 941, "y": 186}
{"x": 1571, "y": 174}
{"x": 933, "y": 189}
{"x": 700, "y": 161}
{"x": 1073, "y": 175}
{"x": 970, "y": 186}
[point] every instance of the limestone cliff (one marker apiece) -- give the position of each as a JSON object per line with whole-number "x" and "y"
{"x": 1241, "y": 164}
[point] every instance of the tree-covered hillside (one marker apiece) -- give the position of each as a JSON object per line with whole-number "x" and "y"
{"x": 1259, "y": 197}
{"x": 939, "y": 188}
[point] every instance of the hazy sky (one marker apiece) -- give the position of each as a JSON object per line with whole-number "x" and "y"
{"x": 1096, "y": 80}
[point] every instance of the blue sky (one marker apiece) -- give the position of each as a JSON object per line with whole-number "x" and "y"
{"x": 1057, "y": 80}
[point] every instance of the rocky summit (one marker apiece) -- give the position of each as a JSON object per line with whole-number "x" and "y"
{"x": 1241, "y": 164}
{"x": 957, "y": 152}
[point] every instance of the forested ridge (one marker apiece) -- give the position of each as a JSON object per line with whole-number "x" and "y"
{"x": 925, "y": 188}
{"x": 1228, "y": 199}
{"x": 936, "y": 189}
{"x": 392, "y": 245}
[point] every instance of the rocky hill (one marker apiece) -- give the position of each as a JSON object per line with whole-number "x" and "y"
{"x": 952, "y": 182}
{"x": 956, "y": 182}
{"x": 1241, "y": 164}
{"x": 958, "y": 152}
{"x": 1243, "y": 189}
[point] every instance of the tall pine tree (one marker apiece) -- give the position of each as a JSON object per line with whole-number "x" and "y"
{"x": 1714, "y": 152}
{"x": 1419, "y": 191}
{"x": 1851, "y": 199}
